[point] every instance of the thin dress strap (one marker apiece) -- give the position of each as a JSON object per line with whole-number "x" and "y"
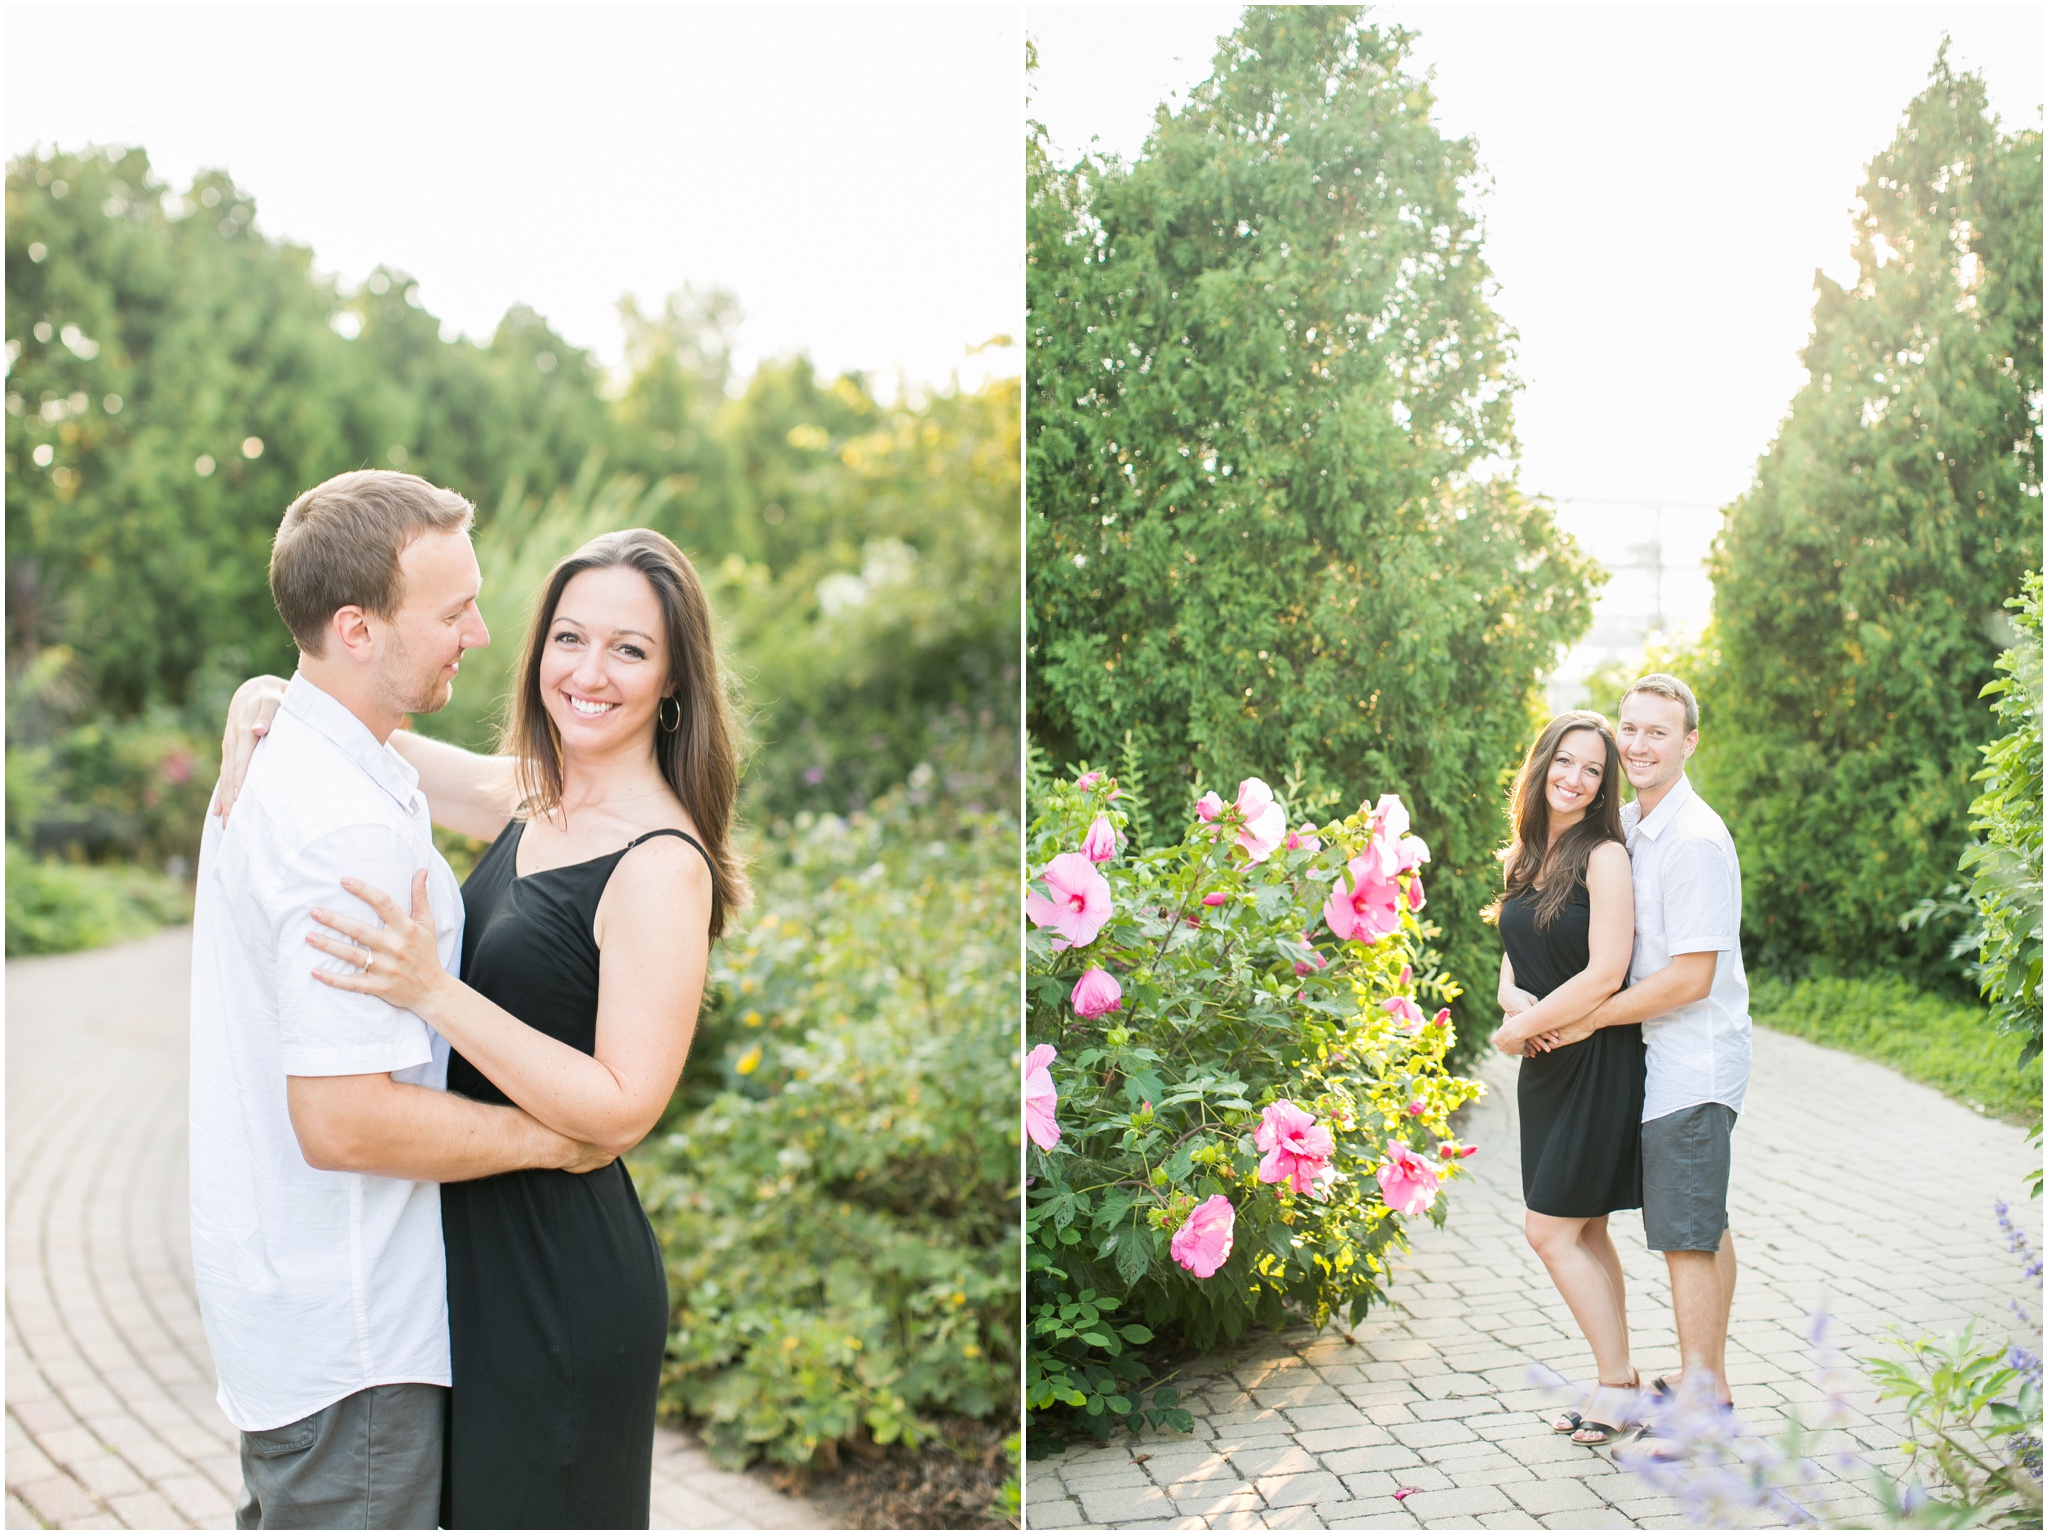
{"x": 674, "y": 831}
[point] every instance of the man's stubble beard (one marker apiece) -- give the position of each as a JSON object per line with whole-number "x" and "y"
{"x": 411, "y": 692}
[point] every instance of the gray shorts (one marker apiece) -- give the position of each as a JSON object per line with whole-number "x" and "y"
{"x": 371, "y": 1461}
{"x": 1685, "y": 1178}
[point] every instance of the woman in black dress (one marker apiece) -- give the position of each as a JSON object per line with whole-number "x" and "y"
{"x": 588, "y": 928}
{"x": 1567, "y": 923}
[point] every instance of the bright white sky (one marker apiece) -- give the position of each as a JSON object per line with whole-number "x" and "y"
{"x": 852, "y": 174}
{"x": 1665, "y": 180}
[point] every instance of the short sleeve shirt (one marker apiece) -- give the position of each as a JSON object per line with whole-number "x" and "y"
{"x": 1688, "y": 889}
{"x": 312, "y": 1285}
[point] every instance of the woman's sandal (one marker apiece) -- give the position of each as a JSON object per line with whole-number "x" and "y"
{"x": 1601, "y": 1433}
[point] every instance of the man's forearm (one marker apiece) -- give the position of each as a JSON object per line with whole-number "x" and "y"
{"x": 398, "y": 1130}
{"x": 1684, "y": 980}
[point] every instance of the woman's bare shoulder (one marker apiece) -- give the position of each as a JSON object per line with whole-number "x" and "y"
{"x": 1609, "y": 860}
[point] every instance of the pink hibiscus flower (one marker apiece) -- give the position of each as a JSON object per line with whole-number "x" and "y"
{"x": 1408, "y": 1181}
{"x": 1364, "y": 905}
{"x": 1097, "y": 993}
{"x": 1405, "y": 1009}
{"x": 1265, "y": 823}
{"x": 1307, "y": 838}
{"x": 1209, "y": 806}
{"x": 1100, "y": 843}
{"x": 1203, "y": 1241}
{"x": 1041, "y": 1098}
{"x": 1079, "y": 903}
{"x": 1297, "y": 1148}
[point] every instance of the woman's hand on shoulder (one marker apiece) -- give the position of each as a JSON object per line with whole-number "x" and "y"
{"x": 250, "y": 712}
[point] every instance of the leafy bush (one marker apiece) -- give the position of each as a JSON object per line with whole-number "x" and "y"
{"x": 1266, "y": 377}
{"x": 54, "y": 907}
{"x": 1202, "y": 1016}
{"x": 835, "y": 1188}
{"x": 1855, "y": 581}
{"x": 2004, "y": 864}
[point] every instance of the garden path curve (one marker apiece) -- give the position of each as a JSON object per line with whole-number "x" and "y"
{"x": 111, "y": 1421}
{"x": 1854, "y": 1190}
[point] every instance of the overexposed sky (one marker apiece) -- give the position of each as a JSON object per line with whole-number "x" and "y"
{"x": 851, "y": 173}
{"x": 1664, "y": 182}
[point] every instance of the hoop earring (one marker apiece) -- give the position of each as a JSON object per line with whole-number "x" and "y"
{"x": 662, "y": 714}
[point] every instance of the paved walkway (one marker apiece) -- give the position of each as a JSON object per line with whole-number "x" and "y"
{"x": 111, "y": 1421}
{"x": 1855, "y": 1190}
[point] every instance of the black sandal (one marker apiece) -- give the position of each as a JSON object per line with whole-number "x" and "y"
{"x": 1573, "y": 1423}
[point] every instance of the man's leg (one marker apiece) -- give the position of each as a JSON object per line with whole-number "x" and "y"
{"x": 1686, "y": 1158}
{"x": 369, "y": 1461}
{"x": 1699, "y": 1304}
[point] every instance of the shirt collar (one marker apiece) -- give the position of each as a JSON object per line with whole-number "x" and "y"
{"x": 321, "y": 711}
{"x": 1667, "y": 808}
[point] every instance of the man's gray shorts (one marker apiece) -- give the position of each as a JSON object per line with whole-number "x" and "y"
{"x": 371, "y": 1461}
{"x": 1685, "y": 1178}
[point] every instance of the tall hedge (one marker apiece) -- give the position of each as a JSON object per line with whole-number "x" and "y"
{"x": 1263, "y": 369}
{"x": 1859, "y": 583}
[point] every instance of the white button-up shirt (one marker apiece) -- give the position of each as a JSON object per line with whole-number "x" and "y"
{"x": 313, "y": 1285}
{"x": 1688, "y": 889}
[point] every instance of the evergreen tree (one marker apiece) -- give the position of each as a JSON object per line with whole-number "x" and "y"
{"x": 1263, "y": 371}
{"x": 1859, "y": 583}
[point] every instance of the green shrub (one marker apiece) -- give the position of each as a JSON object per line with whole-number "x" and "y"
{"x": 1230, "y": 997}
{"x": 1265, "y": 376}
{"x": 1932, "y": 1037}
{"x": 1856, "y": 580}
{"x": 836, "y": 1186}
{"x": 2004, "y": 864}
{"x": 54, "y": 907}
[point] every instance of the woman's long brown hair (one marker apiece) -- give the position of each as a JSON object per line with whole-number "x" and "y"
{"x": 700, "y": 757}
{"x": 1531, "y": 861}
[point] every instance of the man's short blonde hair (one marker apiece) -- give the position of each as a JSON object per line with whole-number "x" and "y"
{"x": 1664, "y": 685}
{"x": 340, "y": 542}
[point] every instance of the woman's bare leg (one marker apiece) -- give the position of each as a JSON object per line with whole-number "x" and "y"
{"x": 1593, "y": 1294}
{"x": 1596, "y": 1241}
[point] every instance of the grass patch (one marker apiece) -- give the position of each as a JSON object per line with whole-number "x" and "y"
{"x": 1945, "y": 1042}
{"x": 55, "y": 907}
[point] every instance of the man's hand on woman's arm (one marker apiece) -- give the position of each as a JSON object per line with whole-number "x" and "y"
{"x": 1687, "y": 978}
{"x": 371, "y": 1124}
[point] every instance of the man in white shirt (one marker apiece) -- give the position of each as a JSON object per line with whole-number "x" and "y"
{"x": 319, "y": 1129}
{"x": 1687, "y": 989}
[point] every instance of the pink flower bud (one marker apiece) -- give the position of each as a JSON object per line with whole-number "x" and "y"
{"x": 1100, "y": 843}
{"x": 1214, "y": 898}
{"x": 1209, "y": 806}
{"x": 1096, "y": 993}
{"x": 1088, "y": 780}
{"x": 1415, "y": 1111}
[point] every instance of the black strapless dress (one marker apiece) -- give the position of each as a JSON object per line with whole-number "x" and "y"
{"x": 557, "y": 1295}
{"x": 1581, "y": 1105}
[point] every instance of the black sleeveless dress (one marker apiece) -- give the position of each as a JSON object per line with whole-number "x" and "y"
{"x": 557, "y": 1295}
{"x": 1581, "y": 1105}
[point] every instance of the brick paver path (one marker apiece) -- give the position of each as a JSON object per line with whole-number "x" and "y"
{"x": 1854, "y": 1190}
{"x": 111, "y": 1421}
